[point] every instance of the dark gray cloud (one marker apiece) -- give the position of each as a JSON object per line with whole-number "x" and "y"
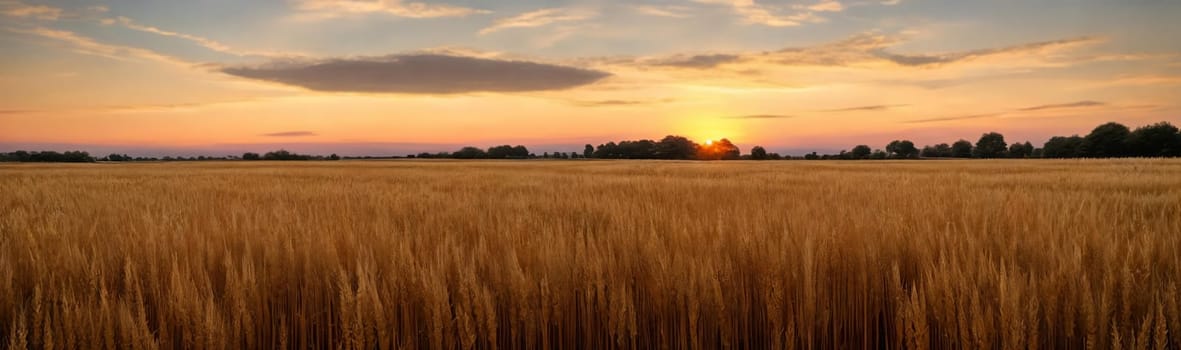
{"x": 290, "y": 134}
{"x": 864, "y": 108}
{"x": 421, "y": 74}
{"x": 919, "y": 60}
{"x": 1064, "y": 105}
{"x": 945, "y": 119}
{"x": 697, "y": 61}
{"x": 759, "y": 116}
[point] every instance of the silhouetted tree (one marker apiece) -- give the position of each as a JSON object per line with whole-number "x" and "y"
{"x": 902, "y": 149}
{"x": 1106, "y": 141}
{"x": 676, "y": 147}
{"x": 811, "y": 156}
{"x": 334, "y": 157}
{"x": 251, "y": 156}
{"x": 938, "y": 151}
{"x": 861, "y": 152}
{"x": 719, "y": 150}
{"x": 642, "y": 149}
{"x": 469, "y": 153}
{"x": 1156, "y": 140}
{"x": 961, "y": 149}
{"x": 506, "y": 151}
{"x": 729, "y": 150}
{"x": 588, "y": 151}
{"x": 1021, "y": 150}
{"x": 520, "y": 151}
{"x": 991, "y": 145}
{"x": 607, "y": 150}
{"x": 1063, "y": 147}
{"x": 115, "y": 157}
{"x": 758, "y": 153}
{"x": 285, "y": 155}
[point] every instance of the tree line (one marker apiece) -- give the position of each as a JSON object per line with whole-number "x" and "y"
{"x": 1110, "y": 140}
{"x": 85, "y": 157}
{"x": 47, "y": 157}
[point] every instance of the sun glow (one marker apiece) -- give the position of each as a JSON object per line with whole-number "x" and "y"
{"x": 709, "y": 142}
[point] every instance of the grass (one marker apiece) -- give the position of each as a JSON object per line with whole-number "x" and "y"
{"x": 594, "y": 254}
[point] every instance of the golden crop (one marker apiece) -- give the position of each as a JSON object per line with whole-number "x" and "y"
{"x": 592, "y": 254}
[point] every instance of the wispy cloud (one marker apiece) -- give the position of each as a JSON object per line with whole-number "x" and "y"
{"x": 327, "y": 9}
{"x": 963, "y": 117}
{"x": 758, "y": 14}
{"x": 612, "y": 103}
{"x": 864, "y": 108}
{"x": 1043, "y": 47}
{"x": 538, "y": 18}
{"x": 420, "y": 74}
{"x": 22, "y": 10}
{"x": 695, "y": 61}
{"x": 1080, "y": 104}
{"x": 85, "y": 45}
{"x": 18, "y": 9}
{"x": 204, "y": 42}
{"x": 1023, "y": 110}
{"x": 172, "y": 107}
{"x": 672, "y": 11}
{"x": 16, "y": 111}
{"x": 759, "y": 116}
{"x": 94, "y": 13}
{"x": 755, "y": 13}
{"x": 827, "y": 6}
{"x": 1140, "y": 80}
{"x": 875, "y": 48}
{"x": 300, "y": 133}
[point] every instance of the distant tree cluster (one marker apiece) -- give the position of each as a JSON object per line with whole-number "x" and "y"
{"x": 283, "y": 154}
{"x": 674, "y": 147}
{"x": 1111, "y": 140}
{"x": 47, "y": 157}
{"x": 472, "y": 152}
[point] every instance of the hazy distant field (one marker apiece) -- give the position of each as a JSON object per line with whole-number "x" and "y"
{"x": 592, "y": 254}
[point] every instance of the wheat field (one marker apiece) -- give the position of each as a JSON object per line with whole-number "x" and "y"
{"x": 592, "y": 254}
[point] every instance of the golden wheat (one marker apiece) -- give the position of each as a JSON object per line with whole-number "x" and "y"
{"x": 592, "y": 254}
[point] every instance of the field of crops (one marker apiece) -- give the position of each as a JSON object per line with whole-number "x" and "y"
{"x": 592, "y": 254}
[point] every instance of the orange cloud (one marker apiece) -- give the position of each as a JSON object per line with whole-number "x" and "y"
{"x": 327, "y": 9}
{"x": 539, "y": 18}
{"x": 40, "y": 12}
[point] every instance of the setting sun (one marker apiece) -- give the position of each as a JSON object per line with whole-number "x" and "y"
{"x": 709, "y": 142}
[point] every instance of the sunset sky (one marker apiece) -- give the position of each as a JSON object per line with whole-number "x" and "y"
{"x": 390, "y": 77}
